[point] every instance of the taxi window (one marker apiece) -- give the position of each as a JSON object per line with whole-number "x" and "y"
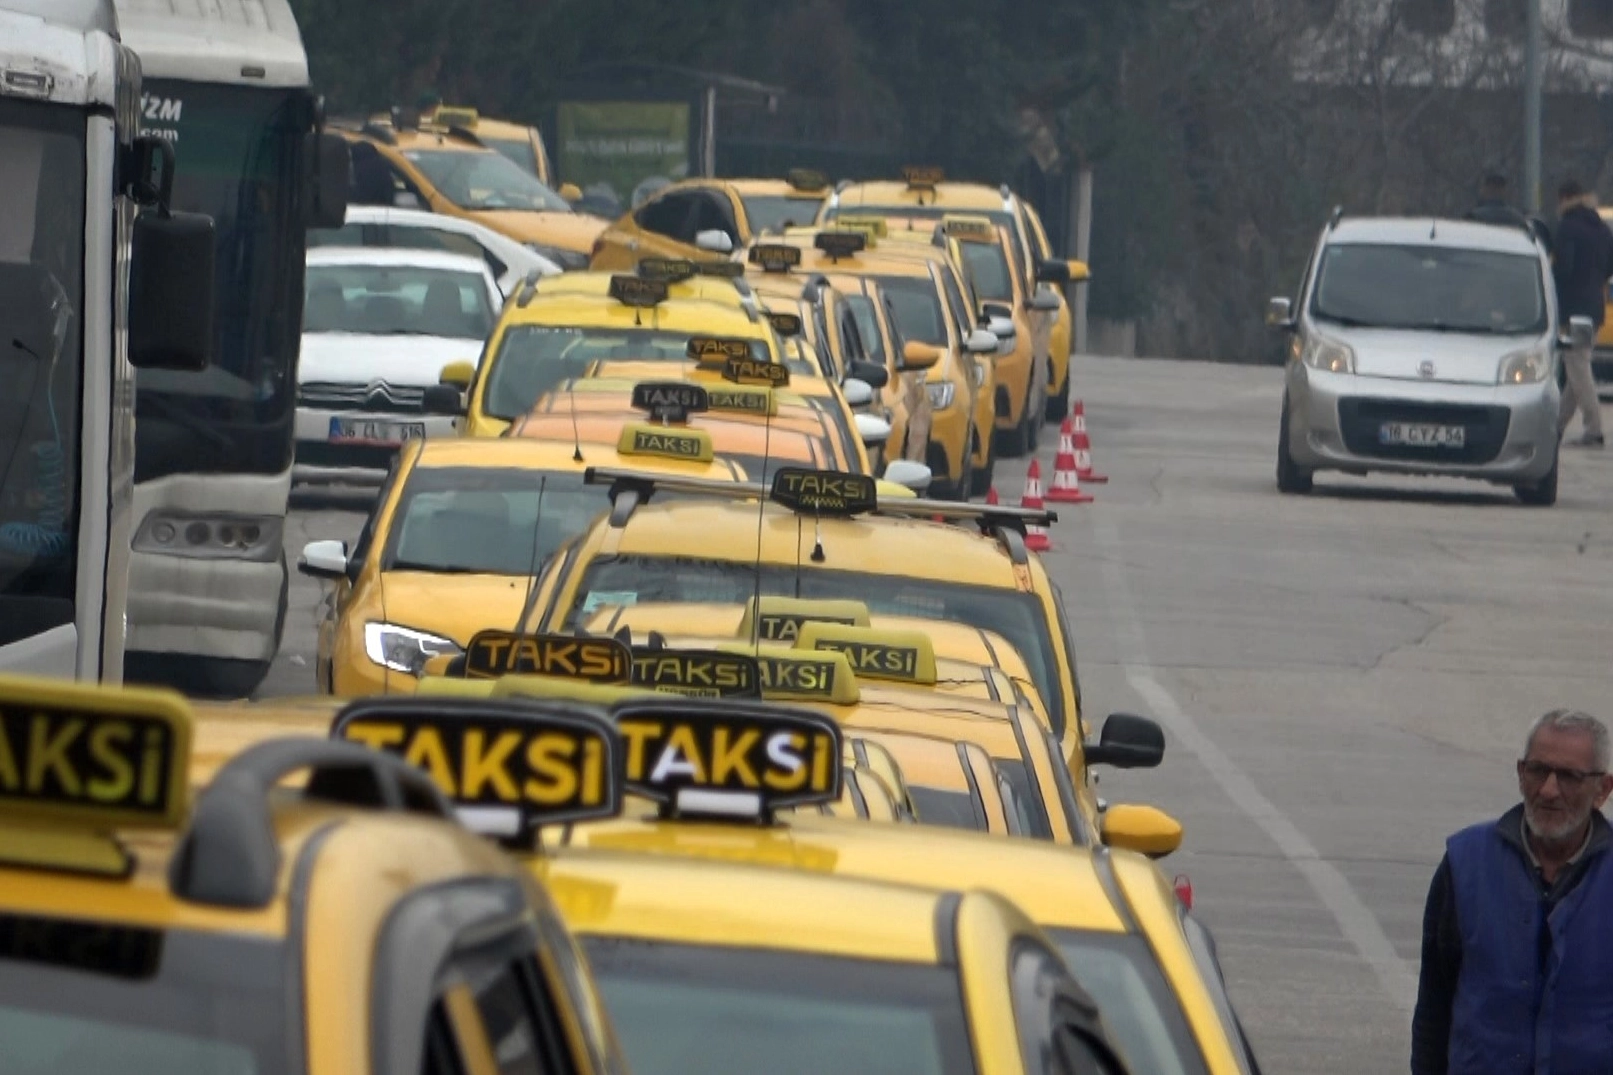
{"x": 469, "y": 520}
{"x": 76, "y": 997}
{"x": 916, "y": 306}
{"x": 987, "y": 266}
{"x": 1017, "y": 617}
{"x": 533, "y": 359}
{"x": 484, "y": 181}
{"x": 518, "y": 151}
{"x": 960, "y": 306}
{"x": 397, "y": 300}
{"x": 775, "y": 213}
{"x": 695, "y": 1010}
{"x": 1027, "y": 798}
{"x": 952, "y": 809}
{"x": 867, "y": 322}
{"x": 346, "y": 235}
{"x": 506, "y": 1013}
{"x": 1119, "y": 971}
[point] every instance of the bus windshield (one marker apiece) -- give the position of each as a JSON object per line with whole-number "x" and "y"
{"x": 41, "y": 334}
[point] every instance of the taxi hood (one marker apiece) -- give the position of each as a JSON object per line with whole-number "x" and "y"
{"x": 420, "y": 600}
{"x": 568, "y": 231}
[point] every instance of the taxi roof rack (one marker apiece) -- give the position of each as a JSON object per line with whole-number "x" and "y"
{"x": 631, "y": 488}
{"x": 229, "y": 856}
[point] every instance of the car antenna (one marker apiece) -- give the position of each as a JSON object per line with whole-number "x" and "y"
{"x": 532, "y": 563}
{"x": 761, "y": 512}
{"x": 1433, "y": 225}
{"x": 576, "y": 437}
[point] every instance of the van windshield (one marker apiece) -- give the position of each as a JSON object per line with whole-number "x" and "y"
{"x": 1430, "y": 288}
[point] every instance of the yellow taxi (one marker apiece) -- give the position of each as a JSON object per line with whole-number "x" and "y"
{"x": 705, "y": 218}
{"x": 348, "y": 925}
{"x": 450, "y": 170}
{"x": 459, "y": 530}
{"x": 521, "y": 143}
{"x": 738, "y": 963}
{"x": 1602, "y": 353}
{"x": 925, "y": 194}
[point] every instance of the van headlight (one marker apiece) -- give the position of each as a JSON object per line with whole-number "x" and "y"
{"x": 940, "y": 393}
{"x": 1526, "y": 367}
{"x": 1329, "y": 355}
{"x": 403, "y": 649}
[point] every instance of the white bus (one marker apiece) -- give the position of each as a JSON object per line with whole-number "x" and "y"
{"x": 227, "y": 86}
{"x": 72, "y": 173}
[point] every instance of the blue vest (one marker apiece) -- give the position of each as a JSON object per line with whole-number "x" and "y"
{"x": 1519, "y": 1009}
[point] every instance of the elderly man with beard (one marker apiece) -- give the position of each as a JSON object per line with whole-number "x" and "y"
{"x": 1517, "y": 967}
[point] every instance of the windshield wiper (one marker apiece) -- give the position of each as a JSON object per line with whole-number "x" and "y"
{"x": 1443, "y": 326}
{"x": 437, "y": 569}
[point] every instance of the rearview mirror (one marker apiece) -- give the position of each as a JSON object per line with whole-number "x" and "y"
{"x": 1279, "y": 314}
{"x": 999, "y": 310}
{"x": 873, "y": 431}
{"x": 1146, "y": 830}
{"x": 919, "y": 356}
{"x": 905, "y": 472}
{"x": 858, "y": 393}
{"x": 1581, "y": 333}
{"x": 981, "y": 342}
{"x": 1127, "y": 742}
{"x": 1044, "y": 301}
{"x": 873, "y": 373}
{"x": 460, "y": 374}
{"x": 570, "y": 192}
{"x": 714, "y": 241}
{"x": 171, "y": 291}
{"x": 1001, "y": 327}
{"x": 327, "y": 200}
{"x": 324, "y": 560}
{"x": 442, "y": 399}
{"x": 1053, "y": 271}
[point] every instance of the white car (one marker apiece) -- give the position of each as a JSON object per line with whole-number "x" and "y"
{"x": 416, "y": 229}
{"x": 378, "y": 327}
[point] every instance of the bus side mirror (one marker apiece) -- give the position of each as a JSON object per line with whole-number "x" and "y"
{"x": 171, "y": 291}
{"x": 327, "y": 198}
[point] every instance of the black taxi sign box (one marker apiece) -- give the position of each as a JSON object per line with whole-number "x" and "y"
{"x": 841, "y": 244}
{"x": 666, "y": 270}
{"x": 923, "y": 176}
{"x": 775, "y": 257}
{"x": 729, "y": 758}
{"x": 697, "y": 673}
{"x": 772, "y": 618}
{"x": 756, "y": 371}
{"x": 965, "y": 228}
{"x": 807, "y": 179}
{"x": 743, "y": 399}
{"x": 824, "y": 492}
{"x": 508, "y": 765}
{"x": 638, "y": 291}
{"x": 492, "y": 654}
{"x": 715, "y": 350}
{"x": 721, "y": 270}
{"x": 785, "y": 324}
{"x": 670, "y": 401}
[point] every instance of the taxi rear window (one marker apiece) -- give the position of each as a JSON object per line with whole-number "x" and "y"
{"x": 77, "y": 997}
{"x": 1119, "y": 970}
{"x": 1017, "y": 617}
{"x": 695, "y": 1010}
{"x": 953, "y": 809}
{"x": 774, "y": 213}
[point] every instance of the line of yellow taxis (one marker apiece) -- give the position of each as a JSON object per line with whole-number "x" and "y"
{"x": 665, "y": 722}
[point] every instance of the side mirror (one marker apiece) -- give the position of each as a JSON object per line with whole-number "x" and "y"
{"x": 459, "y": 374}
{"x": 324, "y": 560}
{"x": 1279, "y": 314}
{"x": 1044, "y": 301}
{"x": 1080, "y": 271}
{"x": 873, "y": 431}
{"x": 171, "y": 291}
{"x": 443, "y": 399}
{"x": 327, "y": 201}
{"x": 919, "y": 356}
{"x": 1053, "y": 271}
{"x": 570, "y": 192}
{"x": 1001, "y": 327}
{"x": 981, "y": 342}
{"x": 1146, "y": 830}
{"x": 905, "y": 472}
{"x": 873, "y": 373}
{"x": 858, "y": 393}
{"x": 996, "y": 310}
{"x": 1127, "y": 742}
{"x": 1581, "y": 333}
{"x": 715, "y": 241}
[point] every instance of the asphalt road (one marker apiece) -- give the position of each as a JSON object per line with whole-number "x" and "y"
{"x": 1344, "y": 678}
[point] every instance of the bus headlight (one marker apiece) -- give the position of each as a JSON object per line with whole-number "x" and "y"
{"x": 254, "y": 538}
{"x": 403, "y": 649}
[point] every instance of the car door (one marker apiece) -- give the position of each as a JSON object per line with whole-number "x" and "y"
{"x": 661, "y": 227}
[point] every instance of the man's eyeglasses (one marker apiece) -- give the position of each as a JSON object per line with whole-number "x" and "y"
{"x": 1536, "y": 772}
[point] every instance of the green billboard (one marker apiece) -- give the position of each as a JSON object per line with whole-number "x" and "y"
{"x": 619, "y": 144}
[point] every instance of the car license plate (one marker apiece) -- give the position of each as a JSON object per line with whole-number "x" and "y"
{"x": 1422, "y": 435}
{"x": 375, "y": 431}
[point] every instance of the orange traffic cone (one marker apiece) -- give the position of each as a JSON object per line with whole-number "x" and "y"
{"x": 1078, "y": 415}
{"x": 1036, "y": 537}
{"x": 1066, "y": 487}
{"x": 991, "y": 495}
{"x": 1083, "y": 446}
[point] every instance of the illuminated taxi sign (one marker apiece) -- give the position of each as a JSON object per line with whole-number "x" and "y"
{"x": 669, "y": 401}
{"x": 729, "y": 758}
{"x": 544, "y": 763}
{"x": 779, "y": 619}
{"x": 666, "y": 270}
{"x": 775, "y": 257}
{"x": 744, "y": 399}
{"x": 785, "y": 324}
{"x": 666, "y": 442}
{"x": 841, "y": 244}
{"x": 902, "y": 656}
{"x": 801, "y": 675}
{"x": 456, "y": 116}
{"x": 637, "y": 292}
{"x": 721, "y": 270}
{"x": 497, "y": 653}
{"x": 715, "y": 350}
{"x": 926, "y": 178}
{"x": 807, "y": 179}
{"x": 696, "y": 673}
{"x": 973, "y": 229}
{"x": 756, "y": 371}
{"x": 875, "y": 227}
{"x": 824, "y": 492}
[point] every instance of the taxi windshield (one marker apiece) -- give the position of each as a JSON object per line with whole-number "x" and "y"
{"x": 518, "y": 151}
{"x": 696, "y": 1010}
{"x": 397, "y": 300}
{"x": 479, "y": 521}
{"x": 916, "y": 305}
{"x": 77, "y": 997}
{"x": 987, "y": 268}
{"x": 534, "y": 359}
{"x": 626, "y": 580}
{"x": 775, "y": 212}
{"x": 1119, "y": 971}
{"x": 484, "y": 181}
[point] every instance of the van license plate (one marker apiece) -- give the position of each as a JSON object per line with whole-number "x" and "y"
{"x": 1422, "y": 435}
{"x": 374, "y": 431}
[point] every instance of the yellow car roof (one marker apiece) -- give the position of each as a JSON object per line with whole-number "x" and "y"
{"x": 559, "y": 454}
{"x": 696, "y": 316}
{"x": 886, "y": 194}
{"x": 702, "y": 288}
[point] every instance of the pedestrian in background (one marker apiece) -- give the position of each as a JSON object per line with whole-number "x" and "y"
{"x": 1517, "y": 963}
{"x": 1495, "y": 207}
{"x": 1582, "y": 261}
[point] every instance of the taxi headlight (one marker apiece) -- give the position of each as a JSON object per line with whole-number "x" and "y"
{"x": 941, "y": 393}
{"x": 1329, "y": 355}
{"x": 403, "y": 649}
{"x": 1526, "y": 367}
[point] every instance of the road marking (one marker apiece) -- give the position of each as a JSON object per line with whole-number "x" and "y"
{"x": 1355, "y": 920}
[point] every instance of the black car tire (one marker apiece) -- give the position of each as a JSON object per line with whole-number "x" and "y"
{"x": 1291, "y": 477}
